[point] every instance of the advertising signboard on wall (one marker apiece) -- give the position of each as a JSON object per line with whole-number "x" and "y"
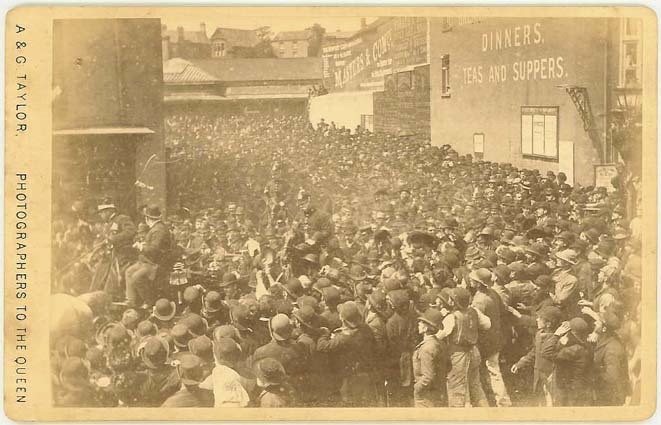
{"x": 603, "y": 174}
{"x": 387, "y": 45}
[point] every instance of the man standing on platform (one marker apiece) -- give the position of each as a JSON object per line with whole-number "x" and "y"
{"x": 144, "y": 277}
{"x": 118, "y": 234}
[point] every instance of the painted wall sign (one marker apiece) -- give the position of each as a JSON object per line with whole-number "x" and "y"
{"x": 529, "y": 60}
{"x": 386, "y": 46}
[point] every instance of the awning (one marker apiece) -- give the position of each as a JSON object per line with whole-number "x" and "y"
{"x": 202, "y": 97}
{"x": 269, "y": 96}
{"x": 187, "y": 97}
{"x": 102, "y": 131}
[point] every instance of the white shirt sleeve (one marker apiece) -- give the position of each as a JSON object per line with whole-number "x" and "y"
{"x": 448, "y": 327}
{"x": 483, "y": 321}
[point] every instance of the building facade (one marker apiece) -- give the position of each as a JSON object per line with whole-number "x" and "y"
{"x": 228, "y": 42}
{"x": 291, "y": 44}
{"x": 382, "y": 70}
{"x": 533, "y": 92}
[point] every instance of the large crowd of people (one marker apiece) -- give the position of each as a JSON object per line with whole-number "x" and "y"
{"x": 318, "y": 266}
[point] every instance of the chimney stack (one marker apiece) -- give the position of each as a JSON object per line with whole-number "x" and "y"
{"x": 203, "y": 28}
{"x": 363, "y": 22}
{"x": 180, "y": 34}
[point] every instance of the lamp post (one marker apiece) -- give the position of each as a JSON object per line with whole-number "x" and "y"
{"x": 628, "y": 98}
{"x": 626, "y": 136}
{"x": 626, "y": 123}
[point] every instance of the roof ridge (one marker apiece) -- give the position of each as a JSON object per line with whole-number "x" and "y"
{"x": 247, "y": 69}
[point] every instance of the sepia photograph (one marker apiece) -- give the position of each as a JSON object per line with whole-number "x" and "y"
{"x": 396, "y": 210}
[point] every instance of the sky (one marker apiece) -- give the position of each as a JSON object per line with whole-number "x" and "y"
{"x": 277, "y": 24}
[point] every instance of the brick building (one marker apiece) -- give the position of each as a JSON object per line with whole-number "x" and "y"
{"x": 228, "y": 42}
{"x": 534, "y": 92}
{"x": 187, "y": 44}
{"x": 291, "y": 44}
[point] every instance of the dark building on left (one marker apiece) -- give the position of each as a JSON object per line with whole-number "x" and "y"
{"x": 107, "y": 112}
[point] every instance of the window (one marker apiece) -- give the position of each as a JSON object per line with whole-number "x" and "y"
{"x": 445, "y": 76}
{"x": 539, "y": 132}
{"x": 219, "y": 49}
{"x": 630, "y": 52}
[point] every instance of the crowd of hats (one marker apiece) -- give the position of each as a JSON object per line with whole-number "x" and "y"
{"x": 416, "y": 228}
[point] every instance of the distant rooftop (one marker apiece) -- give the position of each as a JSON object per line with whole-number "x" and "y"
{"x": 180, "y": 71}
{"x": 339, "y": 34}
{"x": 236, "y": 37}
{"x": 196, "y": 36}
{"x": 293, "y": 35}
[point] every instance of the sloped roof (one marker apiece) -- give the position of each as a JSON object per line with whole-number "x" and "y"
{"x": 182, "y": 71}
{"x": 261, "y": 69}
{"x": 293, "y": 35}
{"x": 192, "y": 36}
{"x": 236, "y": 37}
{"x": 177, "y": 70}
